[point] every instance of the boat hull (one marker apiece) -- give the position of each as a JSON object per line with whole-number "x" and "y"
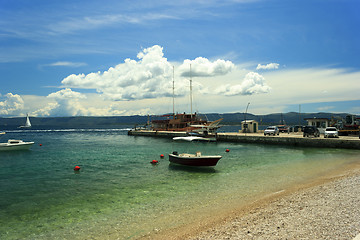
{"x": 15, "y": 147}
{"x": 194, "y": 139}
{"x": 191, "y": 160}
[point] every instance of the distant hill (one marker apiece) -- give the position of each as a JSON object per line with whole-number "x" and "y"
{"x": 291, "y": 118}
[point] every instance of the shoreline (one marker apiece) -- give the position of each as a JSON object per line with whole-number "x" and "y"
{"x": 326, "y": 208}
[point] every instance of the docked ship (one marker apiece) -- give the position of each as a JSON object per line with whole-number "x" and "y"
{"x": 190, "y": 123}
{"x": 185, "y": 123}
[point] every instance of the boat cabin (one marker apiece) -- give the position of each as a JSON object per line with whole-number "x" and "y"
{"x": 177, "y": 122}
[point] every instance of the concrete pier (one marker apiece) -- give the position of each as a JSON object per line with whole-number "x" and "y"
{"x": 285, "y": 139}
{"x": 292, "y": 139}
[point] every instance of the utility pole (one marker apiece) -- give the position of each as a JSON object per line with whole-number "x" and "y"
{"x": 245, "y": 124}
{"x": 299, "y": 118}
{"x": 173, "y": 88}
{"x": 190, "y": 93}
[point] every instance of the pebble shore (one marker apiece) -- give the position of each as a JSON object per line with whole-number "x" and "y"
{"x": 326, "y": 211}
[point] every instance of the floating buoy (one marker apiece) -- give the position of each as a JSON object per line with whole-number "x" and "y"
{"x": 154, "y": 162}
{"x": 162, "y": 155}
{"x": 40, "y": 144}
{"x": 76, "y": 168}
{"x": 227, "y": 150}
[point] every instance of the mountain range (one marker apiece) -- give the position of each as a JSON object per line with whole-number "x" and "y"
{"x": 291, "y": 118}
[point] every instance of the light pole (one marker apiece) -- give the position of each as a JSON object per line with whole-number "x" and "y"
{"x": 245, "y": 124}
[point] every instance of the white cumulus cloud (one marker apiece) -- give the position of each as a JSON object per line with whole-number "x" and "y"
{"x": 149, "y": 77}
{"x": 253, "y": 83}
{"x": 267, "y": 66}
{"x": 12, "y": 104}
{"x": 66, "y": 104}
{"x": 202, "y": 67}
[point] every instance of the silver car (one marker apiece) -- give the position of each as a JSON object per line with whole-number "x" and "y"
{"x": 331, "y": 132}
{"x": 272, "y": 130}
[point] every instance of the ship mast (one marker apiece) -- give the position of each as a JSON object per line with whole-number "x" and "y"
{"x": 173, "y": 88}
{"x": 191, "y": 93}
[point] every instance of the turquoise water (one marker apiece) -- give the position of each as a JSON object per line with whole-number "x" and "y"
{"x": 119, "y": 194}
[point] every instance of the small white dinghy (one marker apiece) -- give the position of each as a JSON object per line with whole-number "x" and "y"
{"x": 13, "y": 144}
{"x": 194, "y": 139}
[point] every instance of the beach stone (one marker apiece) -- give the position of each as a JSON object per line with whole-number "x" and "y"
{"x": 328, "y": 211}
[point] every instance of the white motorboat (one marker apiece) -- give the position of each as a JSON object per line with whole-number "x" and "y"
{"x": 194, "y": 139}
{"x": 13, "y": 144}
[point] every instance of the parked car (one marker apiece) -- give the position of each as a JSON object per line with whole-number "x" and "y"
{"x": 271, "y": 130}
{"x": 331, "y": 132}
{"x": 311, "y": 131}
{"x": 296, "y": 128}
{"x": 283, "y": 128}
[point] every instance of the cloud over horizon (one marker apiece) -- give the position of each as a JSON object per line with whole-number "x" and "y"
{"x": 12, "y": 105}
{"x": 151, "y": 77}
{"x": 253, "y": 83}
{"x": 67, "y": 102}
{"x": 142, "y": 86}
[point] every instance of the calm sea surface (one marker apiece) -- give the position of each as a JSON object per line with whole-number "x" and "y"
{"x": 119, "y": 194}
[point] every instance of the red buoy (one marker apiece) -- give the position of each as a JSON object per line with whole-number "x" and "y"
{"x": 162, "y": 155}
{"x": 227, "y": 150}
{"x": 154, "y": 162}
{"x": 76, "y": 168}
{"x": 40, "y": 144}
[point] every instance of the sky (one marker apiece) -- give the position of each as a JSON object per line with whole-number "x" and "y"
{"x": 121, "y": 58}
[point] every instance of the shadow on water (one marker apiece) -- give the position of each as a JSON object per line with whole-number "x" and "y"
{"x": 176, "y": 167}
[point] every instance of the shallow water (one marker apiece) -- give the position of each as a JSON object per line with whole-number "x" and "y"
{"x": 119, "y": 194}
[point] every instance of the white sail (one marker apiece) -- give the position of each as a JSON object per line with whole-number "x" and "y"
{"x": 27, "y": 123}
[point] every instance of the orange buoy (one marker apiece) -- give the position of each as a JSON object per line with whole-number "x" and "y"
{"x": 162, "y": 155}
{"x": 76, "y": 168}
{"x": 227, "y": 150}
{"x": 154, "y": 162}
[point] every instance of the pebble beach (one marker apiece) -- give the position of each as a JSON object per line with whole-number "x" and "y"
{"x": 326, "y": 209}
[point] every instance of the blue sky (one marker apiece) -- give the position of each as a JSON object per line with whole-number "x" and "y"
{"x": 102, "y": 58}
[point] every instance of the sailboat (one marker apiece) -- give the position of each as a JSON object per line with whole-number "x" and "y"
{"x": 27, "y": 123}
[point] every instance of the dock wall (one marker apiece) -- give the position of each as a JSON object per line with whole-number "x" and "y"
{"x": 349, "y": 143}
{"x": 283, "y": 139}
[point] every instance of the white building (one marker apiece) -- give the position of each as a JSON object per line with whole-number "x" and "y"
{"x": 250, "y": 126}
{"x": 320, "y": 123}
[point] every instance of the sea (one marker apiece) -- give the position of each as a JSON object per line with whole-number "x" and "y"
{"x": 119, "y": 194}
